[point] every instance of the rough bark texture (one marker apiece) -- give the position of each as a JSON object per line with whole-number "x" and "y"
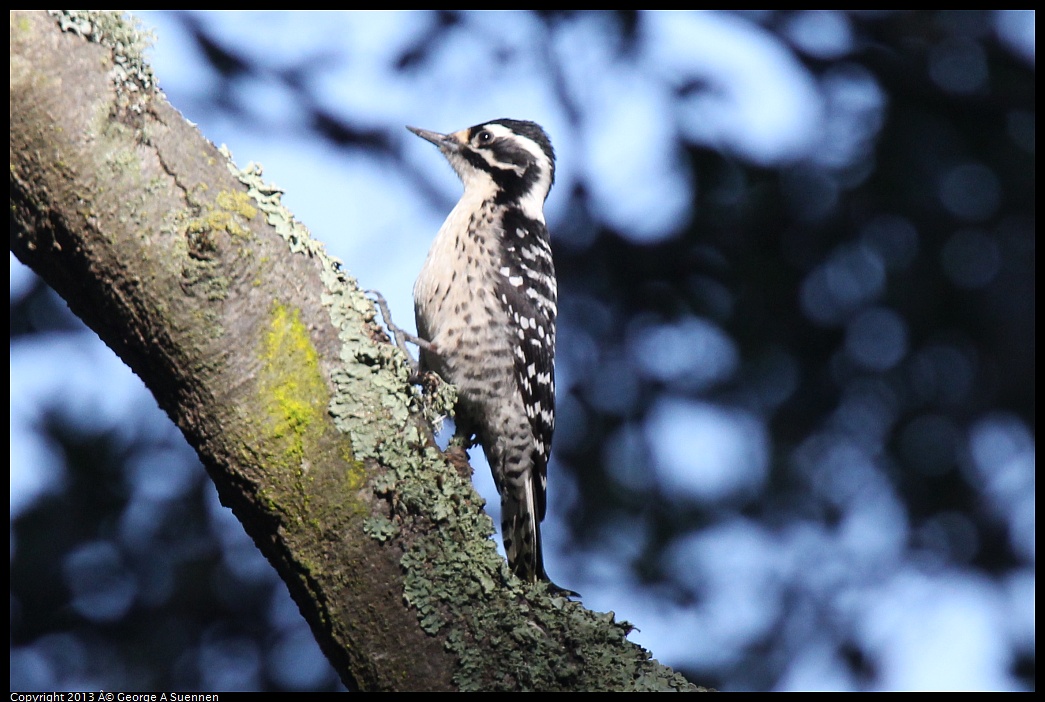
{"x": 267, "y": 357}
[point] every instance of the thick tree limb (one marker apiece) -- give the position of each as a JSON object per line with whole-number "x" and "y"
{"x": 267, "y": 357}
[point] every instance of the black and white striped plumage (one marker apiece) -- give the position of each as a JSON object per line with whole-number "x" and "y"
{"x": 485, "y": 301}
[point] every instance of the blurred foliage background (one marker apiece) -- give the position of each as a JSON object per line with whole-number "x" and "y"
{"x": 795, "y": 250}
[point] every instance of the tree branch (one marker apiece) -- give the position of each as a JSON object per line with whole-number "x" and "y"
{"x": 266, "y": 355}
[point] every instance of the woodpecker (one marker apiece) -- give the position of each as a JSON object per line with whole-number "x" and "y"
{"x": 485, "y": 301}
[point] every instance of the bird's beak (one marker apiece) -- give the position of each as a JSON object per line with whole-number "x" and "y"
{"x": 443, "y": 141}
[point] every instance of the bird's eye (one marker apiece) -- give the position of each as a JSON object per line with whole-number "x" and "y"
{"x": 484, "y": 137}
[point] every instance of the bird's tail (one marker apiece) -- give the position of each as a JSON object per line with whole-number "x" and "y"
{"x": 521, "y": 531}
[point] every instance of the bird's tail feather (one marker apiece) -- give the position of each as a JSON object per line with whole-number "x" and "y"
{"x": 521, "y": 531}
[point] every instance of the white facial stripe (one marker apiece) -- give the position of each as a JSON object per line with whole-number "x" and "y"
{"x": 499, "y": 130}
{"x": 489, "y": 158}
